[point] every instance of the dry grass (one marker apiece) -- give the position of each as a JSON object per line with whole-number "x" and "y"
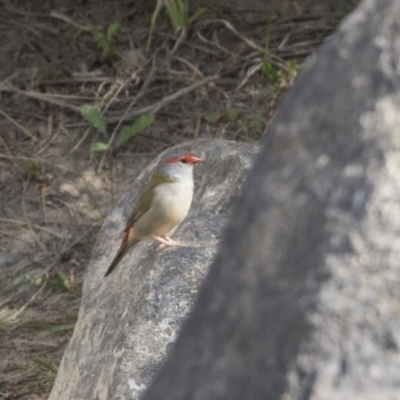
{"x": 55, "y": 192}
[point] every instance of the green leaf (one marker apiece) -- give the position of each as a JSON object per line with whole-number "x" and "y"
{"x": 98, "y": 37}
{"x": 99, "y": 146}
{"x": 269, "y": 70}
{"x": 197, "y": 15}
{"x": 112, "y": 30}
{"x": 232, "y": 114}
{"x": 62, "y": 327}
{"x": 64, "y": 279}
{"x": 177, "y": 12}
{"x": 138, "y": 126}
{"x": 57, "y": 286}
{"x": 94, "y": 117}
{"x": 40, "y": 381}
{"x": 213, "y": 117}
{"x": 292, "y": 65}
{"x": 61, "y": 275}
{"x": 45, "y": 366}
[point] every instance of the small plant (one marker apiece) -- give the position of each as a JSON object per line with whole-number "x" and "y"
{"x": 230, "y": 115}
{"x": 33, "y": 171}
{"x": 283, "y": 74}
{"x": 94, "y": 118}
{"x": 48, "y": 369}
{"x": 293, "y": 66}
{"x": 269, "y": 70}
{"x": 104, "y": 40}
{"x": 252, "y": 127}
{"x": 178, "y": 14}
{"x": 97, "y": 121}
{"x": 138, "y": 126}
{"x": 59, "y": 282}
{"x": 283, "y": 77}
{"x": 267, "y": 66}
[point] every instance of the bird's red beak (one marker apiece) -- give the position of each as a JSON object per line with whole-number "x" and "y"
{"x": 192, "y": 159}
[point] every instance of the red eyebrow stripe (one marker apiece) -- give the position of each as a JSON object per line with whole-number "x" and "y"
{"x": 189, "y": 157}
{"x": 173, "y": 159}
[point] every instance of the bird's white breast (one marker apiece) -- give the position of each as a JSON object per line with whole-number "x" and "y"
{"x": 170, "y": 205}
{"x": 174, "y": 200}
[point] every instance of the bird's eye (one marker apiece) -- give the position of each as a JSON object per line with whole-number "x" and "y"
{"x": 184, "y": 161}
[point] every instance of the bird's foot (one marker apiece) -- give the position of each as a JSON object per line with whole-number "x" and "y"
{"x": 168, "y": 242}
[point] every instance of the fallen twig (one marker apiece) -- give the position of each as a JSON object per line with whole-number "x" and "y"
{"x": 128, "y": 117}
{"x": 33, "y": 297}
{"x": 62, "y": 17}
{"x": 38, "y": 227}
{"x": 167, "y": 99}
{"x": 40, "y": 96}
{"x": 249, "y": 42}
{"x": 19, "y": 126}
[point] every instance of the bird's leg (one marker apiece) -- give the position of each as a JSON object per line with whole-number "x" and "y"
{"x": 175, "y": 243}
{"x": 168, "y": 242}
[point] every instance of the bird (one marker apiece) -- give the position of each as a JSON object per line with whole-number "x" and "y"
{"x": 161, "y": 207}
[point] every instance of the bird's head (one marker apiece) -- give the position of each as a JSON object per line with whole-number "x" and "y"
{"x": 180, "y": 167}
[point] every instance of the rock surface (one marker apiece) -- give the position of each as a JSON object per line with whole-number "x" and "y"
{"x": 303, "y": 300}
{"x": 129, "y": 320}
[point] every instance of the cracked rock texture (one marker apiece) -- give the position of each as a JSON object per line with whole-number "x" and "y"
{"x": 129, "y": 320}
{"x": 303, "y": 299}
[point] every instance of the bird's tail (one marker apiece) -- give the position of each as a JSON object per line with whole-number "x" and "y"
{"x": 123, "y": 249}
{"x": 118, "y": 257}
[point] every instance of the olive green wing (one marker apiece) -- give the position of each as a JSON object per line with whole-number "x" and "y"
{"x": 146, "y": 198}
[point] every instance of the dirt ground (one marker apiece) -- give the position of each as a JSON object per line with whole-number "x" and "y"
{"x": 224, "y": 79}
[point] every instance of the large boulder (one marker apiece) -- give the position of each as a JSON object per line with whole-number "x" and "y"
{"x": 129, "y": 320}
{"x": 303, "y": 300}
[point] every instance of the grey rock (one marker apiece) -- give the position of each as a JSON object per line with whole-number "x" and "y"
{"x": 129, "y": 320}
{"x": 303, "y": 299}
